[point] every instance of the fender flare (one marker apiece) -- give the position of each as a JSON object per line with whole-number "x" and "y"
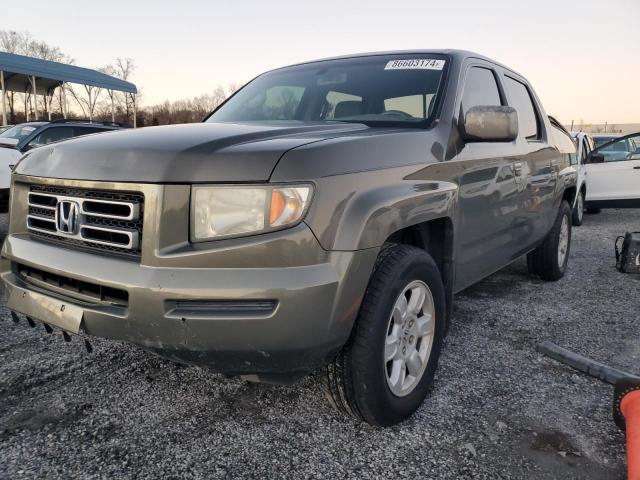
{"x": 373, "y": 215}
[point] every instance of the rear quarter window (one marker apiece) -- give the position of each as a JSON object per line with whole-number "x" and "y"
{"x": 564, "y": 143}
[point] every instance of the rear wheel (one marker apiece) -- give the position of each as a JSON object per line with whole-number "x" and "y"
{"x": 385, "y": 370}
{"x": 549, "y": 260}
{"x": 578, "y": 211}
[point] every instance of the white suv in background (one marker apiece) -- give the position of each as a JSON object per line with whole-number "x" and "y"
{"x": 15, "y": 141}
{"x": 613, "y": 169}
{"x": 584, "y": 145}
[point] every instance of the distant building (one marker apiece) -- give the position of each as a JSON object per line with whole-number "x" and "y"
{"x": 621, "y": 128}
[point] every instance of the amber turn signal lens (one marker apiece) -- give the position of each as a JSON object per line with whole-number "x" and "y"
{"x": 287, "y": 205}
{"x": 278, "y": 205}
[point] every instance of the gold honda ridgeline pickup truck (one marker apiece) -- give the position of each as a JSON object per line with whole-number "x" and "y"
{"x": 323, "y": 216}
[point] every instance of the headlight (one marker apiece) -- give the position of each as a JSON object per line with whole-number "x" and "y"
{"x": 235, "y": 211}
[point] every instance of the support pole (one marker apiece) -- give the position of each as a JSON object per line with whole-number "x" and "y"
{"x": 35, "y": 96}
{"x": 63, "y": 105}
{"x": 135, "y": 125}
{"x": 49, "y": 101}
{"x": 113, "y": 108}
{"x": 4, "y": 94}
{"x": 90, "y": 107}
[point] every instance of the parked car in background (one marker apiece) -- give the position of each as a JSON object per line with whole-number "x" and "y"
{"x": 324, "y": 215}
{"x": 602, "y": 138}
{"x": 613, "y": 170}
{"x": 18, "y": 139}
{"x": 584, "y": 144}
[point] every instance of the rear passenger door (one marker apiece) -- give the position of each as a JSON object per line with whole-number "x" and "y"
{"x": 491, "y": 190}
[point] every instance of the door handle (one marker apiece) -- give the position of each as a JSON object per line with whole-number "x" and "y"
{"x": 636, "y": 168}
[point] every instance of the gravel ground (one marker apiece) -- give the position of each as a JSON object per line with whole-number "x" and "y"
{"x": 498, "y": 409}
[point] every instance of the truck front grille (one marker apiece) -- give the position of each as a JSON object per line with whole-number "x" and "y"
{"x": 94, "y": 219}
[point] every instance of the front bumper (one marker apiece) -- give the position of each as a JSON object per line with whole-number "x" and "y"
{"x": 180, "y": 312}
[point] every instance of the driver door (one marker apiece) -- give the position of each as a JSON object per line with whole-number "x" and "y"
{"x": 614, "y": 173}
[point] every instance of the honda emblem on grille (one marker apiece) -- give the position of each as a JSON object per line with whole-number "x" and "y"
{"x": 67, "y": 217}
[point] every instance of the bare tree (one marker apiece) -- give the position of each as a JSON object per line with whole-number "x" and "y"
{"x": 22, "y": 43}
{"x": 91, "y": 104}
{"x": 14, "y": 42}
{"x": 123, "y": 69}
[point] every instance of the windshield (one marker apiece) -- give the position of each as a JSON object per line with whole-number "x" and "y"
{"x": 602, "y": 140}
{"x": 18, "y": 132}
{"x": 377, "y": 90}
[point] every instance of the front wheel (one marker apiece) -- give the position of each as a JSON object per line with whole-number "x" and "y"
{"x": 385, "y": 370}
{"x": 549, "y": 260}
{"x": 578, "y": 211}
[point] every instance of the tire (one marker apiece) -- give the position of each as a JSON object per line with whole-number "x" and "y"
{"x": 549, "y": 260}
{"x": 593, "y": 210}
{"x": 577, "y": 213}
{"x": 359, "y": 380}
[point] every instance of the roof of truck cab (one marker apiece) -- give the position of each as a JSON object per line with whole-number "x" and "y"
{"x": 456, "y": 53}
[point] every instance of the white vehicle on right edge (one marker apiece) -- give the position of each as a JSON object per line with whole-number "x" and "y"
{"x": 613, "y": 170}
{"x": 584, "y": 145}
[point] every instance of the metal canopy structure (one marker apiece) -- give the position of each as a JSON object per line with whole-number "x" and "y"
{"x": 34, "y": 76}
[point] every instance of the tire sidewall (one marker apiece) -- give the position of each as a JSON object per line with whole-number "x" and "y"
{"x": 578, "y": 213}
{"x": 383, "y": 406}
{"x": 564, "y": 211}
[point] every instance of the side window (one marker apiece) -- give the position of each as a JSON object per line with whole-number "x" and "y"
{"x": 520, "y": 98}
{"x": 50, "y": 135}
{"x": 480, "y": 88}
{"x": 585, "y": 150}
{"x": 340, "y": 105}
{"x": 79, "y": 131}
{"x": 573, "y": 158}
{"x": 505, "y": 174}
{"x": 626, "y": 148}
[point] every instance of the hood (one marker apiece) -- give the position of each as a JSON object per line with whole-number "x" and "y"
{"x": 8, "y": 157}
{"x": 192, "y": 153}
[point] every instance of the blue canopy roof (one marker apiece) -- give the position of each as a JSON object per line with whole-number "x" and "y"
{"x": 18, "y": 68}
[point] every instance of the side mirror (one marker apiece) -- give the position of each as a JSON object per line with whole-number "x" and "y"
{"x": 595, "y": 158}
{"x": 490, "y": 123}
{"x": 9, "y": 142}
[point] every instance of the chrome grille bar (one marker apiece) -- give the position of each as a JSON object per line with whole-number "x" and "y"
{"x": 88, "y": 206}
{"x": 103, "y": 223}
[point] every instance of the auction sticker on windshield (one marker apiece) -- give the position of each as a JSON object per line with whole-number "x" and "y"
{"x": 415, "y": 64}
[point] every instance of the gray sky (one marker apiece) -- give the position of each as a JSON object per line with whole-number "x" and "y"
{"x": 583, "y": 57}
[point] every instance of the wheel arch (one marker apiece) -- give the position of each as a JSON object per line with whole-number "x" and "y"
{"x": 435, "y": 236}
{"x": 570, "y": 195}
